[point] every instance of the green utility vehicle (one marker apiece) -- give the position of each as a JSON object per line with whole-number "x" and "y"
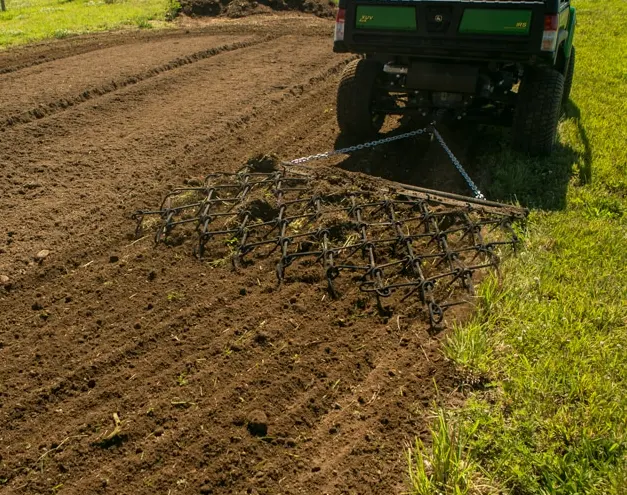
{"x": 495, "y": 62}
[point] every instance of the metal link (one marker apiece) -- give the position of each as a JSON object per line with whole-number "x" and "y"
{"x": 358, "y": 147}
{"x": 371, "y": 144}
{"x": 475, "y": 190}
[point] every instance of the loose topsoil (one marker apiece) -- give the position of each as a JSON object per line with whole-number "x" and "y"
{"x": 133, "y": 369}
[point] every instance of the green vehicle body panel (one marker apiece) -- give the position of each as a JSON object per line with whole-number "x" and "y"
{"x": 484, "y": 29}
{"x": 572, "y": 21}
{"x": 490, "y": 21}
{"x": 383, "y": 17}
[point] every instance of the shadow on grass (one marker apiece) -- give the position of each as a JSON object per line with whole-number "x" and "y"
{"x": 500, "y": 173}
{"x": 585, "y": 171}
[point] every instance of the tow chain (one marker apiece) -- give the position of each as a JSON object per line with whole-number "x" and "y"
{"x": 371, "y": 144}
{"x": 473, "y": 187}
{"x": 358, "y": 147}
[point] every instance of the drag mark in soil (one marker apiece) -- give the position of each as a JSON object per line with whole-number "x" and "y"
{"x": 45, "y": 110}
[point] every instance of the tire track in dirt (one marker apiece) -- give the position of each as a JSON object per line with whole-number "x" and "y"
{"x": 23, "y": 57}
{"x": 46, "y": 109}
{"x": 29, "y": 56}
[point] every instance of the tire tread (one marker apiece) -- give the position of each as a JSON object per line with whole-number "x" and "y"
{"x": 537, "y": 111}
{"x": 354, "y": 98}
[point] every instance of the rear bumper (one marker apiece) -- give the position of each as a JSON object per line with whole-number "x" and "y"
{"x": 449, "y": 51}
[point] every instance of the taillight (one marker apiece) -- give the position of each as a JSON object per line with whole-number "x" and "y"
{"x": 339, "y": 24}
{"x": 549, "y": 36}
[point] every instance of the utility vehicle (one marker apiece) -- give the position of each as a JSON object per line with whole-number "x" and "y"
{"x": 497, "y": 62}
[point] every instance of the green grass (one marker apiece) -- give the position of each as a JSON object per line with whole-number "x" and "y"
{"x": 26, "y": 21}
{"x": 446, "y": 469}
{"x": 551, "y": 338}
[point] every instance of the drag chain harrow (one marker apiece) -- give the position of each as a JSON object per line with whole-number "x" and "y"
{"x": 416, "y": 249}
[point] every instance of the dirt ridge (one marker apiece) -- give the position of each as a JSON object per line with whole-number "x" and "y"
{"x": 88, "y": 94}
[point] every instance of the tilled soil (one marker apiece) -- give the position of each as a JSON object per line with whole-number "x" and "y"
{"x": 130, "y": 369}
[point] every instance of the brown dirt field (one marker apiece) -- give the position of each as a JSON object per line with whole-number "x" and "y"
{"x": 188, "y": 356}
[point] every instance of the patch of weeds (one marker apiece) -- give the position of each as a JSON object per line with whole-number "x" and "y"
{"x": 172, "y": 9}
{"x": 175, "y": 296}
{"x": 61, "y": 34}
{"x": 231, "y": 242}
{"x": 143, "y": 24}
{"x": 445, "y": 468}
{"x": 468, "y": 345}
{"x": 217, "y": 263}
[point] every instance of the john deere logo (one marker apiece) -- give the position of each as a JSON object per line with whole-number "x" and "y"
{"x": 438, "y": 18}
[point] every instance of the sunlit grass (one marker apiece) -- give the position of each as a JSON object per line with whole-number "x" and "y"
{"x": 552, "y": 336}
{"x": 444, "y": 468}
{"x": 26, "y": 21}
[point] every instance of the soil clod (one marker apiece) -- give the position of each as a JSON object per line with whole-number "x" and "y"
{"x": 258, "y": 423}
{"x": 42, "y": 255}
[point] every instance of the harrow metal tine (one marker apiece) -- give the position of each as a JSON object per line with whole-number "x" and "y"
{"x": 418, "y": 244}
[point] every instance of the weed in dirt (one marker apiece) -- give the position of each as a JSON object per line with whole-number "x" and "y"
{"x": 551, "y": 336}
{"x": 181, "y": 380}
{"x": 444, "y": 468}
{"x": 34, "y": 20}
{"x": 175, "y": 296}
{"x": 115, "y": 438}
{"x": 469, "y": 343}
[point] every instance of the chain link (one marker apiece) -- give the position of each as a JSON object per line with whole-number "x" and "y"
{"x": 358, "y": 147}
{"x": 371, "y": 144}
{"x": 458, "y": 165}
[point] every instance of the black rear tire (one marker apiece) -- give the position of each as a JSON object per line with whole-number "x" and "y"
{"x": 568, "y": 78}
{"x": 537, "y": 111}
{"x": 355, "y": 96}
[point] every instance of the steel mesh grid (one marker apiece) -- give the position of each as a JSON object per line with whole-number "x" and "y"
{"x": 418, "y": 249}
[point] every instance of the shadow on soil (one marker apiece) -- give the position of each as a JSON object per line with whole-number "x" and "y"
{"x": 501, "y": 174}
